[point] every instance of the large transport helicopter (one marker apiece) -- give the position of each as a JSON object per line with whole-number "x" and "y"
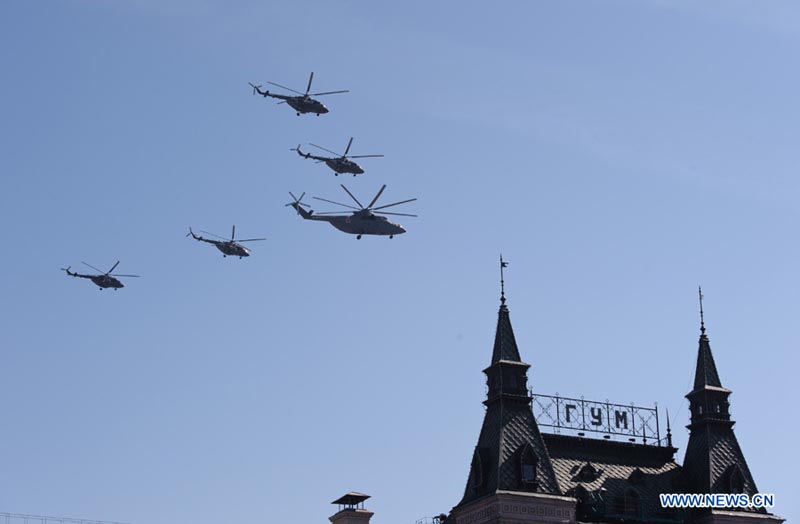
{"x": 339, "y": 163}
{"x": 230, "y": 247}
{"x": 103, "y": 280}
{"x": 302, "y": 103}
{"x": 362, "y": 221}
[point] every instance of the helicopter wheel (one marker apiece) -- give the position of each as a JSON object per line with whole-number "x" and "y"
{"x": 240, "y": 258}
{"x": 336, "y": 174}
{"x": 358, "y": 237}
{"x": 391, "y": 237}
{"x": 298, "y": 114}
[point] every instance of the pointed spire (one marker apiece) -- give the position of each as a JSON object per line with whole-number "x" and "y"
{"x": 503, "y": 264}
{"x": 505, "y": 345}
{"x": 706, "y": 371}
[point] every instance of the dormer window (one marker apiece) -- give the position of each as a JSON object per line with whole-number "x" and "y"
{"x": 636, "y": 477}
{"x": 528, "y": 465}
{"x": 588, "y": 473}
{"x": 736, "y": 480}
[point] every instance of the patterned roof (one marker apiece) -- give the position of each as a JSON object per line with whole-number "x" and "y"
{"x": 613, "y": 469}
{"x": 706, "y": 371}
{"x": 505, "y": 345}
{"x": 509, "y": 429}
{"x": 714, "y": 462}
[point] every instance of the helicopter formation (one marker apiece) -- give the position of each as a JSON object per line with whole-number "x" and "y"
{"x": 358, "y": 220}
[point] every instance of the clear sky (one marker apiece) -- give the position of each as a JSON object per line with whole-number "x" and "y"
{"x": 618, "y": 153}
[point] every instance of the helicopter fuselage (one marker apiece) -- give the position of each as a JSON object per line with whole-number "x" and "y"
{"x": 358, "y": 223}
{"x": 232, "y": 249}
{"x": 343, "y": 165}
{"x": 106, "y": 281}
{"x": 306, "y": 104}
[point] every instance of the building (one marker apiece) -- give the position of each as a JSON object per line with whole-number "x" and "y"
{"x": 520, "y": 475}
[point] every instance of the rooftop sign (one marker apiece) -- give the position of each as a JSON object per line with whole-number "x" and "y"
{"x": 581, "y": 415}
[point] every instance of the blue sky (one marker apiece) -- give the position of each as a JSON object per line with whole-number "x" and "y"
{"x": 618, "y": 153}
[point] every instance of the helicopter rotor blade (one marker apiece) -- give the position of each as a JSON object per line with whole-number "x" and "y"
{"x": 376, "y": 197}
{"x": 127, "y": 276}
{"x": 395, "y": 204}
{"x": 310, "y": 78}
{"x": 398, "y": 214}
{"x": 340, "y": 213}
{"x": 213, "y": 235}
{"x": 364, "y": 156}
{"x": 233, "y": 232}
{"x": 286, "y": 88}
{"x": 337, "y": 203}
{"x": 328, "y": 150}
{"x": 251, "y": 239}
{"x": 91, "y": 266}
{"x": 255, "y": 87}
{"x": 351, "y": 196}
{"x": 347, "y": 150}
{"x": 112, "y": 268}
{"x": 330, "y": 92}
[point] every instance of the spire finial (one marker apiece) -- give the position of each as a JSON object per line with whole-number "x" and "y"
{"x": 503, "y": 264}
{"x": 702, "y": 320}
{"x": 669, "y": 431}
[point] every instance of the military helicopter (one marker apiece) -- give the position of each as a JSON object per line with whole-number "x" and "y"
{"x": 228, "y": 247}
{"x": 339, "y": 163}
{"x": 303, "y": 103}
{"x": 103, "y": 280}
{"x": 362, "y": 221}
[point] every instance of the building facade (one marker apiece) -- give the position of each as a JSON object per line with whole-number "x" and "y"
{"x": 519, "y": 475}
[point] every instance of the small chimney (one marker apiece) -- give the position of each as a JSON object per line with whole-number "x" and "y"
{"x": 351, "y": 509}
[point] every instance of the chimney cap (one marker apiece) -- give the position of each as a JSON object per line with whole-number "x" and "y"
{"x": 351, "y": 499}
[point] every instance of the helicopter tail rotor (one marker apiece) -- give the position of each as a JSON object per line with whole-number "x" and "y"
{"x": 257, "y": 89}
{"x": 299, "y": 205}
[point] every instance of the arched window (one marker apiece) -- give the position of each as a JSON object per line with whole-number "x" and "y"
{"x": 477, "y": 470}
{"x": 528, "y": 465}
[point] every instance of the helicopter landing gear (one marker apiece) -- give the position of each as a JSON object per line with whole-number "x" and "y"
{"x": 358, "y": 237}
{"x": 223, "y": 256}
{"x": 391, "y": 237}
{"x": 336, "y": 174}
{"x": 240, "y": 258}
{"x": 298, "y": 114}
{"x": 317, "y": 114}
